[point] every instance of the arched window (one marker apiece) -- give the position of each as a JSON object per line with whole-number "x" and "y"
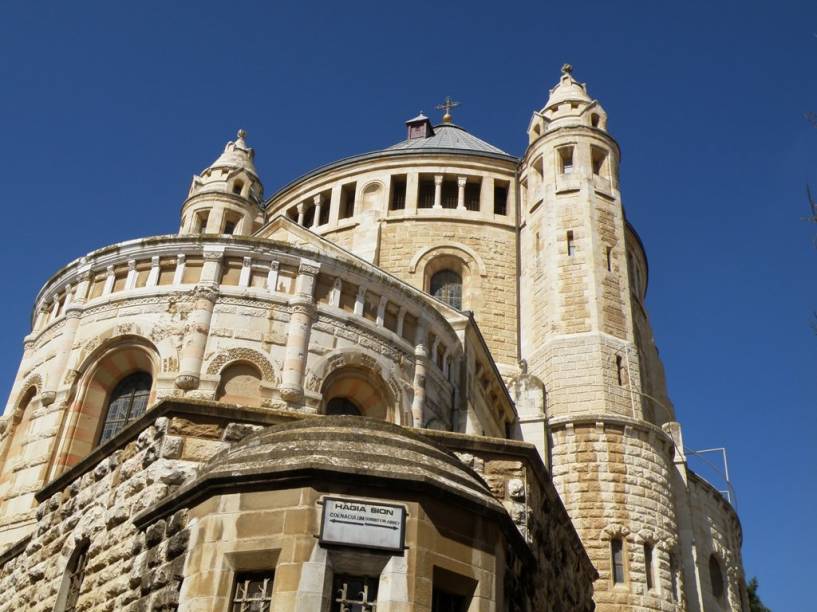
{"x": 342, "y": 406}
{"x": 72, "y": 580}
{"x": 127, "y": 403}
{"x": 446, "y": 285}
{"x": 715, "y": 576}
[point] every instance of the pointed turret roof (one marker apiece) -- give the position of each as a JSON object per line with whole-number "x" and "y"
{"x": 568, "y": 89}
{"x": 237, "y": 155}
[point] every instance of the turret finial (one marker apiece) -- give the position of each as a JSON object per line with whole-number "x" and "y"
{"x": 567, "y": 69}
{"x": 242, "y": 134}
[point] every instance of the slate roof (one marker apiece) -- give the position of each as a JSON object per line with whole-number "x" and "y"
{"x": 448, "y": 136}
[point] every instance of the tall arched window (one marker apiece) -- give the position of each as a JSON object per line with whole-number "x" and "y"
{"x": 72, "y": 580}
{"x": 446, "y": 285}
{"x": 715, "y": 576}
{"x": 342, "y": 406}
{"x": 127, "y": 403}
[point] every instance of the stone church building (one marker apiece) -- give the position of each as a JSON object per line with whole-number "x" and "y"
{"x": 417, "y": 379}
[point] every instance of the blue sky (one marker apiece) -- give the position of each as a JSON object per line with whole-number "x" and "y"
{"x": 108, "y": 108}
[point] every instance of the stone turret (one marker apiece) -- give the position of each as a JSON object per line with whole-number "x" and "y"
{"x": 580, "y": 344}
{"x": 227, "y": 196}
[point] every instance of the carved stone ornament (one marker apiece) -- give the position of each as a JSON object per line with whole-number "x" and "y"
{"x": 187, "y": 381}
{"x": 308, "y": 269}
{"x": 243, "y": 354}
{"x": 614, "y": 530}
{"x": 47, "y": 397}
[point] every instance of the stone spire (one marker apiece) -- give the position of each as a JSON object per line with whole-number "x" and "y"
{"x": 226, "y": 197}
{"x": 237, "y": 155}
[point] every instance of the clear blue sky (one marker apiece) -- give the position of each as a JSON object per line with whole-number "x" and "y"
{"x": 108, "y": 110}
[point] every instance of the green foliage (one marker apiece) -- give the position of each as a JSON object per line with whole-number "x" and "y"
{"x": 755, "y": 605}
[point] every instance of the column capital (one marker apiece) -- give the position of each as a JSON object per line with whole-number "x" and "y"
{"x": 461, "y": 181}
{"x": 438, "y": 179}
{"x": 309, "y": 268}
{"x": 317, "y": 199}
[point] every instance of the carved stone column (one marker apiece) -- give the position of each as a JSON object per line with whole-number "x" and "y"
{"x": 438, "y": 191}
{"x": 420, "y": 364}
{"x": 197, "y": 330}
{"x": 316, "y": 220}
{"x": 73, "y": 312}
{"x": 302, "y": 313}
{"x": 461, "y": 180}
{"x": 301, "y": 211}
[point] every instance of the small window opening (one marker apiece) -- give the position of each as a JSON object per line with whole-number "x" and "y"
{"x": 201, "y": 222}
{"x": 609, "y": 259}
{"x": 566, "y": 160}
{"x": 425, "y": 193}
{"x": 538, "y": 169}
{"x": 347, "y": 200}
{"x": 398, "y": 192}
{"x": 500, "y": 198}
{"x": 673, "y": 576}
{"x": 229, "y": 227}
{"x": 716, "y": 577}
{"x": 450, "y": 193}
{"x": 571, "y": 244}
{"x": 325, "y": 206}
{"x": 617, "y": 560}
{"x": 594, "y": 120}
{"x": 309, "y": 215}
{"x": 354, "y": 593}
{"x": 599, "y": 157}
{"x": 342, "y": 406}
{"x": 537, "y": 242}
{"x": 252, "y": 591}
{"x": 648, "y": 566}
{"x": 238, "y": 187}
{"x": 472, "y": 192}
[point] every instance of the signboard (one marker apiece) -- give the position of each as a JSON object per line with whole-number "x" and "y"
{"x": 353, "y": 522}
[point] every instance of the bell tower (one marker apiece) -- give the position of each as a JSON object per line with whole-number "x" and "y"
{"x": 584, "y": 354}
{"x": 226, "y": 197}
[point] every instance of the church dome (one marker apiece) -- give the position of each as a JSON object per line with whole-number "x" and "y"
{"x": 359, "y": 448}
{"x": 447, "y": 136}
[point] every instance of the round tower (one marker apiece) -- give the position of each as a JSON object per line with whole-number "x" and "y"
{"x": 611, "y": 461}
{"x": 226, "y": 197}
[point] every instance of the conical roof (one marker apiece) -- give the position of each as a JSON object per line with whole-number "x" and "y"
{"x": 568, "y": 89}
{"x": 448, "y": 136}
{"x": 237, "y": 155}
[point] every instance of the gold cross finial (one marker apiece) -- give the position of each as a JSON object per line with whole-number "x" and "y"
{"x": 446, "y": 106}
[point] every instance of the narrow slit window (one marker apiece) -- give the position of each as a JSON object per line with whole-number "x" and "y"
{"x": 648, "y": 567}
{"x": 571, "y": 244}
{"x": 609, "y": 259}
{"x": 617, "y": 560}
{"x": 238, "y": 186}
{"x": 566, "y": 160}
{"x": 347, "y": 200}
{"x": 398, "y": 192}
{"x": 594, "y": 120}
{"x": 621, "y": 371}
{"x": 673, "y": 576}
{"x": 500, "y": 198}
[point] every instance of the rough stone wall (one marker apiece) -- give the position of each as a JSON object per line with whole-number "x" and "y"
{"x": 614, "y": 481}
{"x": 126, "y": 569}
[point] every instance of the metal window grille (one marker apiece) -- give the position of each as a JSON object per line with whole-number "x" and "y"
{"x": 252, "y": 592}
{"x": 75, "y": 578}
{"x": 446, "y": 285}
{"x": 425, "y": 198}
{"x": 354, "y": 594}
{"x": 500, "y": 200}
{"x": 449, "y": 194}
{"x": 127, "y": 403}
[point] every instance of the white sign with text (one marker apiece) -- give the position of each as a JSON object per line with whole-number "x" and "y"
{"x": 355, "y": 522}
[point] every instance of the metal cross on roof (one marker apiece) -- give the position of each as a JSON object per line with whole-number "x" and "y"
{"x": 447, "y": 105}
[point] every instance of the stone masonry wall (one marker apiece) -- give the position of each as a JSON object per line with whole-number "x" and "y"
{"x": 614, "y": 481}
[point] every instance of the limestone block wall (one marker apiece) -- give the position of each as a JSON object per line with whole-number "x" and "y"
{"x": 614, "y": 479}
{"x": 717, "y": 534}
